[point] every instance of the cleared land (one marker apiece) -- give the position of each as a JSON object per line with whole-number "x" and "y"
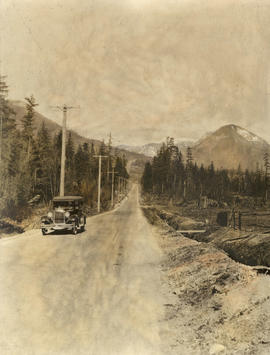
{"x": 218, "y": 306}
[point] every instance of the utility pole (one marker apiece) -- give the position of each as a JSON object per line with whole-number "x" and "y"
{"x": 3, "y": 94}
{"x": 125, "y": 186}
{"x": 64, "y": 109}
{"x": 112, "y": 187}
{"x": 113, "y": 173}
{"x": 109, "y": 154}
{"x": 99, "y": 177}
{"x": 119, "y": 188}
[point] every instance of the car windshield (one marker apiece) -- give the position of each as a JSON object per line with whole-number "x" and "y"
{"x": 63, "y": 204}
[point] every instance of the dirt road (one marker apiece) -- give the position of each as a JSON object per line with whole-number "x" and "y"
{"x": 95, "y": 293}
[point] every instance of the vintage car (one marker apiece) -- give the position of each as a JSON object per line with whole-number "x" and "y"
{"x": 66, "y": 215}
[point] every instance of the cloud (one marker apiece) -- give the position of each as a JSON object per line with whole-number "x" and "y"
{"x": 180, "y": 68}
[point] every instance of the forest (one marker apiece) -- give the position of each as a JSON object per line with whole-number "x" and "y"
{"x": 30, "y": 162}
{"x": 171, "y": 176}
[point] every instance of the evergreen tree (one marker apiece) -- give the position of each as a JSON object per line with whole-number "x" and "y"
{"x": 28, "y": 124}
{"x": 44, "y": 169}
{"x": 70, "y": 166}
{"x": 79, "y": 165}
{"x": 147, "y": 182}
{"x": 266, "y": 166}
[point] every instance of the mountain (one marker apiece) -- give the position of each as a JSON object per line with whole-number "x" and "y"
{"x": 184, "y": 144}
{"x": 230, "y": 146}
{"x": 227, "y": 147}
{"x": 151, "y": 149}
{"x": 53, "y": 128}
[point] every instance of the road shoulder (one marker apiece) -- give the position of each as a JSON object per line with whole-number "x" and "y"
{"x": 216, "y": 304}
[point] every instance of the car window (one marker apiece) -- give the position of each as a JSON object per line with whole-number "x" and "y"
{"x": 63, "y": 204}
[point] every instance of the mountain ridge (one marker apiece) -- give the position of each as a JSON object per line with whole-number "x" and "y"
{"x": 231, "y": 146}
{"x": 53, "y": 127}
{"x": 227, "y": 147}
{"x": 151, "y": 149}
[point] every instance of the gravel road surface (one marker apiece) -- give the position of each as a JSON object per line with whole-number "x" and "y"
{"x": 95, "y": 293}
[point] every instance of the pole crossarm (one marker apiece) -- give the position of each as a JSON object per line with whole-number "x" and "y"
{"x": 65, "y": 107}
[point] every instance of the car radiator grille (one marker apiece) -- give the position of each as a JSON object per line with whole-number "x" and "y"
{"x": 59, "y": 217}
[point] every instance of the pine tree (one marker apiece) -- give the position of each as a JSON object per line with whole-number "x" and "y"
{"x": 79, "y": 165}
{"x": 266, "y": 166}
{"x": 147, "y": 182}
{"x": 10, "y": 164}
{"x": 44, "y": 170}
{"x": 70, "y": 167}
{"x": 56, "y": 166}
{"x": 28, "y": 124}
{"x": 189, "y": 156}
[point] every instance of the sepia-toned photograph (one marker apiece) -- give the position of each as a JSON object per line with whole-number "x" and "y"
{"x": 134, "y": 177}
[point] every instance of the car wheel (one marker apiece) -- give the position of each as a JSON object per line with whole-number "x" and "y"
{"x": 74, "y": 230}
{"x": 83, "y": 228}
{"x": 43, "y": 230}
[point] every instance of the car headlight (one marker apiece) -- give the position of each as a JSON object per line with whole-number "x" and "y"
{"x": 67, "y": 214}
{"x": 50, "y": 214}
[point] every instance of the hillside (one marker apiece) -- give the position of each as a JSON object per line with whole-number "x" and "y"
{"x": 54, "y": 128}
{"x": 230, "y": 146}
{"x": 227, "y": 147}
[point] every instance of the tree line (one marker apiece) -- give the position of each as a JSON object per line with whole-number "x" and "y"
{"x": 171, "y": 176}
{"x": 30, "y": 163}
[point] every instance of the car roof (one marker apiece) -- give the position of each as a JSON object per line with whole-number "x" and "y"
{"x": 67, "y": 198}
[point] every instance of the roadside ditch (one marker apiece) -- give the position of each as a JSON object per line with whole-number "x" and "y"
{"x": 217, "y": 305}
{"x": 250, "y": 248}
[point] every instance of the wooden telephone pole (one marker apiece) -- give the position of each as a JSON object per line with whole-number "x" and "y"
{"x": 64, "y": 109}
{"x": 109, "y": 150}
{"x": 3, "y": 94}
{"x": 99, "y": 178}
{"x": 113, "y": 174}
{"x": 122, "y": 185}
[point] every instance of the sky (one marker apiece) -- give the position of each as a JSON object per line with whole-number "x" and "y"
{"x": 141, "y": 69}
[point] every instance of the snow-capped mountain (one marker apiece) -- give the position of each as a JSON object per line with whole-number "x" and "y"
{"x": 227, "y": 147}
{"x": 230, "y": 146}
{"x": 151, "y": 149}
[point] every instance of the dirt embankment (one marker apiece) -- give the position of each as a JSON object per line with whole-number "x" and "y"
{"x": 217, "y": 306}
{"x": 251, "y": 248}
{"x": 9, "y": 227}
